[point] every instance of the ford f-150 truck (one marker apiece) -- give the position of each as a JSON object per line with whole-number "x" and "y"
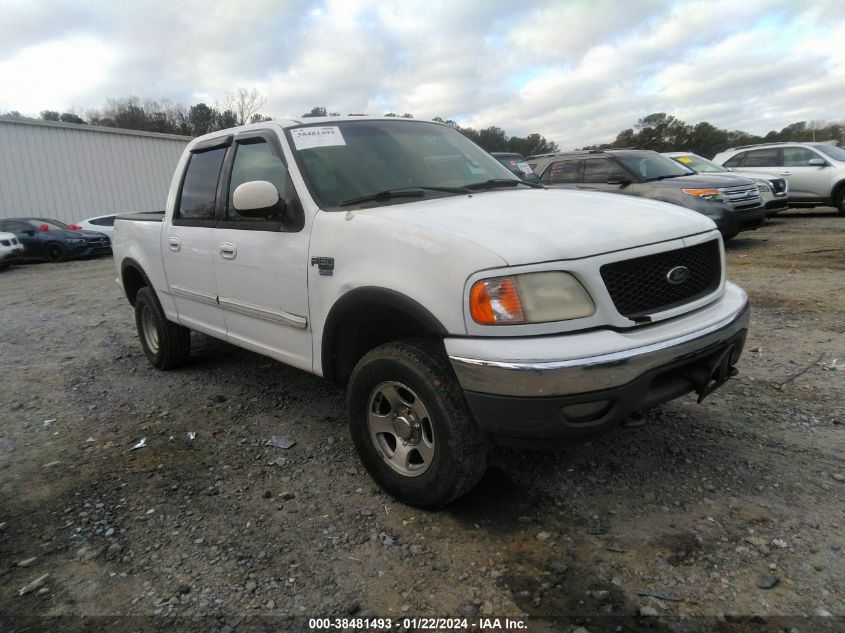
{"x": 461, "y": 305}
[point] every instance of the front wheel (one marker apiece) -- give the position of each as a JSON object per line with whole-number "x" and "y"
{"x": 411, "y": 425}
{"x": 56, "y": 252}
{"x": 840, "y": 201}
{"x": 166, "y": 344}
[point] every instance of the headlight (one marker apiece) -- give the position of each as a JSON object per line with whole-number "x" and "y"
{"x": 711, "y": 195}
{"x": 529, "y": 298}
{"x": 763, "y": 185}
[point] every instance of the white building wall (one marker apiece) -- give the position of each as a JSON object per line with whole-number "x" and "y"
{"x": 72, "y": 172}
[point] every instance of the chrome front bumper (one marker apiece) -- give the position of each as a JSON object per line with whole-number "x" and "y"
{"x": 661, "y": 345}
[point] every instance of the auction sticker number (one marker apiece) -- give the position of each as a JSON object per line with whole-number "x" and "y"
{"x": 308, "y": 137}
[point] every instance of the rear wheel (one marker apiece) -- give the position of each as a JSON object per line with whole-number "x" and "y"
{"x": 56, "y": 252}
{"x": 166, "y": 344}
{"x": 411, "y": 425}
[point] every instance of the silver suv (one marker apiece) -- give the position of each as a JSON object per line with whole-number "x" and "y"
{"x": 773, "y": 188}
{"x": 733, "y": 202}
{"x": 815, "y": 171}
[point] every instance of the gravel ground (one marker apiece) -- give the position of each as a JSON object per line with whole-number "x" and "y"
{"x": 704, "y": 517}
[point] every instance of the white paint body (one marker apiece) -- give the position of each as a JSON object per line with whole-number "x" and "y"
{"x": 429, "y": 250}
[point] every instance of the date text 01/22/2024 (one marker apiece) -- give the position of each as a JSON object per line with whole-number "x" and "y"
{"x": 434, "y": 624}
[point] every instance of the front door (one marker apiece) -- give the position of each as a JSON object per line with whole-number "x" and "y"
{"x": 261, "y": 264}
{"x": 806, "y": 182}
{"x": 188, "y": 244}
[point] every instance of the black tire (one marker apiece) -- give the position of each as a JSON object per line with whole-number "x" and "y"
{"x": 840, "y": 201}
{"x": 166, "y": 344}
{"x": 56, "y": 252}
{"x": 460, "y": 449}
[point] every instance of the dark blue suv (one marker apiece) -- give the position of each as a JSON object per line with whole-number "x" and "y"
{"x": 43, "y": 238}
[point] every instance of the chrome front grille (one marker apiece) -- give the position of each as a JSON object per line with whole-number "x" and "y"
{"x": 743, "y": 197}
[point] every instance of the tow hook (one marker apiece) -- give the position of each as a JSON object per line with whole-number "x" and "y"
{"x": 635, "y": 420}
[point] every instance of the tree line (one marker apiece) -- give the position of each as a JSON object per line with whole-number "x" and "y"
{"x": 663, "y": 132}
{"x": 244, "y": 106}
{"x": 659, "y": 131}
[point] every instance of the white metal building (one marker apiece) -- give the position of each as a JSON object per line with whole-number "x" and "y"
{"x": 71, "y": 172}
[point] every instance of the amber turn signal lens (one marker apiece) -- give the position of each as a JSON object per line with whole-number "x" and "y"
{"x": 494, "y": 301}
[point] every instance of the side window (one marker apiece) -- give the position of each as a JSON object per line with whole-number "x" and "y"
{"x": 255, "y": 160}
{"x": 563, "y": 171}
{"x": 107, "y": 221}
{"x": 736, "y": 161}
{"x": 762, "y": 158}
{"x": 797, "y": 156}
{"x": 199, "y": 189}
{"x": 597, "y": 170}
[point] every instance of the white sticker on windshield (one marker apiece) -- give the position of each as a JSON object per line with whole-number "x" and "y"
{"x": 525, "y": 167}
{"x": 308, "y": 137}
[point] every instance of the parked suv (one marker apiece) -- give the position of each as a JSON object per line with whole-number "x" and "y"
{"x": 815, "y": 171}
{"x": 734, "y": 204}
{"x": 516, "y": 164}
{"x": 773, "y": 188}
{"x": 10, "y": 250}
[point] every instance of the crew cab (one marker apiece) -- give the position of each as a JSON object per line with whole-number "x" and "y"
{"x": 460, "y": 305}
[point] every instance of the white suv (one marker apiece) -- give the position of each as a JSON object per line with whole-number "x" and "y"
{"x": 815, "y": 171}
{"x": 11, "y": 250}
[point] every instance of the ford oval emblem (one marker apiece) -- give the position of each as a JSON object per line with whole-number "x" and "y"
{"x": 678, "y": 275}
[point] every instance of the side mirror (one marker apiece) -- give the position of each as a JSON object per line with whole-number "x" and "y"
{"x": 817, "y": 162}
{"x": 618, "y": 179}
{"x": 258, "y": 199}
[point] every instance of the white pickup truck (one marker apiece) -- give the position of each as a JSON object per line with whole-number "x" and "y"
{"x": 461, "y": 305}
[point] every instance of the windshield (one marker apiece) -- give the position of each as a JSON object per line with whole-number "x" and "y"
{"x": 653, "y": 166}
{"x": 698, "y": 164}
{"x": 356, "y": 159}
{"x": 836, "y": 153}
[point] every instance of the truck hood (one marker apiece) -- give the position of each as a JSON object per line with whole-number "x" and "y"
{"x": 701, "y": 181}
{"x": 537, "y": 225}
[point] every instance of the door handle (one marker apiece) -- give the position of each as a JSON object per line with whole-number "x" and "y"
{"x": 175, "y": 243}
{"x": 228, "y": 250}
{"x": 786, "y": 173}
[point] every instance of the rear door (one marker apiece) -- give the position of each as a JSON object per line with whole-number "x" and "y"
{"x": 806, "y": 182}
{"x": 563, "y": 174}
{"x": 188, "y": 241}
{"x": 262, "y": 264}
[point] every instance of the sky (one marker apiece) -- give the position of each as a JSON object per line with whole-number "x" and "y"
{"x": 577, "y": 72}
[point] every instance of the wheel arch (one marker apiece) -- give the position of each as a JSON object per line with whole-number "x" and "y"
{"x": 369, "y": 316}
{"x": 133, "y": 278}
{"x": 837, "y": 191}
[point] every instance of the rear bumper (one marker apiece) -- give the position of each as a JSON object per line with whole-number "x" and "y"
{"x": 578, "y": 396}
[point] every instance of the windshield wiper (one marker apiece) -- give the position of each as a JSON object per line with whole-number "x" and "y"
{"x": 401, "y": 192}
{"x": 667, "y": 176}
{"x": 502, "y": 182}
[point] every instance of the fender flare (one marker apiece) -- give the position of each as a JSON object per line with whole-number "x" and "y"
{"x": 131, "y": 264}
{"x": 377, "y": 297}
